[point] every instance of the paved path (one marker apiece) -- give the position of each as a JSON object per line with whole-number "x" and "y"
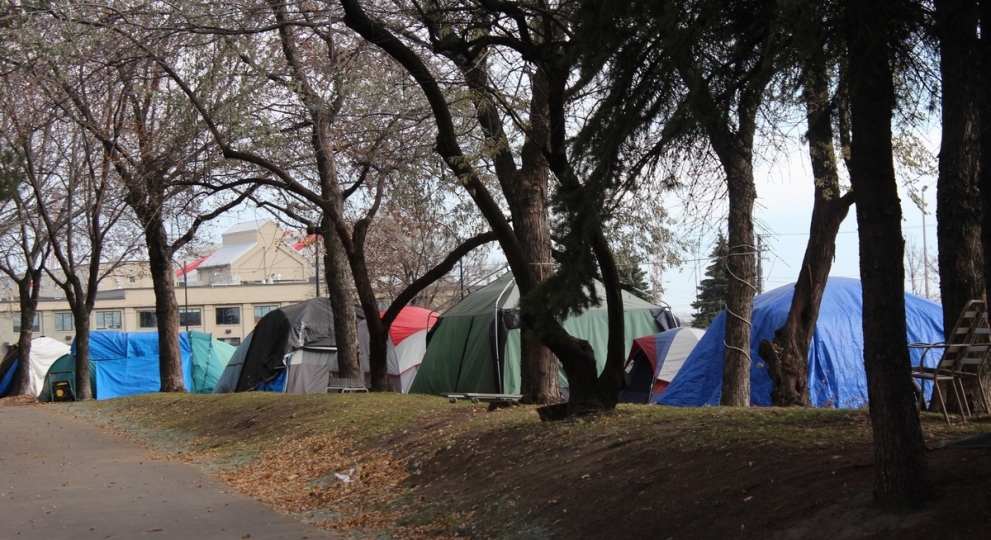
{"x": 61, "y": 478}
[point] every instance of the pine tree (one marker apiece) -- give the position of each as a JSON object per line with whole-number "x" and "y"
{"x": 712, "y": 291}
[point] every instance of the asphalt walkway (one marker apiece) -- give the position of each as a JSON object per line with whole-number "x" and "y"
{"x": 62, "y": 478}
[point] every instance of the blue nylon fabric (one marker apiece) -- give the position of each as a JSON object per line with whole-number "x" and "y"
{"x": 836, "y": 360}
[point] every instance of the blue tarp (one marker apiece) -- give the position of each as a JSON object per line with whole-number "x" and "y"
{"x": 126, "y": 363}
{"x": 836, "y": 357}
{"x": 7, "y": 380}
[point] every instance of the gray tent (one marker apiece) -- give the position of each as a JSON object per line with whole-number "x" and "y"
{"x": 292, "y": 349}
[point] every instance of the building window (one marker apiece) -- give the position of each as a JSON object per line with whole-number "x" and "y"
{"x": 261, "y": 311}
{"x": 132, "y": 279}
{"x": 190, "y": 317}
{"x": 108, "y": 320}
{"x": 35, "y": 326}
{"x": 228, "y": 315}
{"x": 235, "y": 341}
{"x": 64, "y": 322}
{"x": 147, "y": 319}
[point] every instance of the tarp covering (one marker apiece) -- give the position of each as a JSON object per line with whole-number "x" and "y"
{"x": 8, "y": 371}
{"x": 475, "y": 346}
{"x": 44, "y": 352}
{"x": 228, "y": 379}
{"x": 126, "y": 363}
{"x": 836, "y": 358}
{"x": 209, "y": 358}
{"x": 655, "y": 360}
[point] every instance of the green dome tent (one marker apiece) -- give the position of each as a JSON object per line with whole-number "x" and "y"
{"x": 462, "y": 356}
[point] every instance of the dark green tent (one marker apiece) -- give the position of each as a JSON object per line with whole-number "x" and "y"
{"x": 63, "y": 369}
{"x": 475, "y": 347}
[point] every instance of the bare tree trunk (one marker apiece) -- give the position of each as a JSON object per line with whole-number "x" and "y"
{"x": 787, "y": 354}
{"x": 901, "y": 466}
{"x": 23, "y": 375}
{"x": 29, "y": 290}
{"x": 377, "y": 333}
{"x": 740, "y": 265}
{"x": 339, "y": 282}
{"x": 81, "y": 317}
{"x": 984, "y": 136}
{"x": 958, "y": 211}
{"x": 166, "y": 307}
{"x": 528, "y": 202}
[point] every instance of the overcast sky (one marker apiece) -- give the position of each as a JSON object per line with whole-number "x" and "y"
{"x": 783, "y": 212}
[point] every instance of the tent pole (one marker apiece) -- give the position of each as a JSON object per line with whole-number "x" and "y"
{"x": 495, "y": 323}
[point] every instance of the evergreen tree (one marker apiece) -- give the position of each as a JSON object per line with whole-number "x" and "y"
{"x": 712, "y": 291}
{"x": 11, "y": 173}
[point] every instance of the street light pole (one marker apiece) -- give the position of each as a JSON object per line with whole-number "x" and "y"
{"x": 925, "y": 250}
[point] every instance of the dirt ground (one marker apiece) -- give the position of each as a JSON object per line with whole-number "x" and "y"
{"x": 640, "y": 472}
{"x": 622, "y": 487}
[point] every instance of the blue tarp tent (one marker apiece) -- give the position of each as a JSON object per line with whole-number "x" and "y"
{"x": 126, "y": 363}
{"x": 836, "y": 357}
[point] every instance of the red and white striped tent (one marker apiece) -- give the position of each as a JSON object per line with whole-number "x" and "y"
{"x": 409, "y": 336}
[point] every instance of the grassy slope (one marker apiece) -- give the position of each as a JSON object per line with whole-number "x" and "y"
{"x": 420, "y": 467}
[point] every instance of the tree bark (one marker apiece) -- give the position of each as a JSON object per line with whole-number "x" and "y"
{"x": 29, "y": 288}
{"x": 81, "y": 317}
{"x": 984, "y": 137}
{"x": 528, "y": 205}
{"x": 958, "y": 211}
{"x": 901, "y": 466}
{"x": 377, "y": 332}
{"x": 339, "y": 283}
{"x": 740, "y": 265}
{"x": 166, "y": 306}
{"x": 787, "y": 354}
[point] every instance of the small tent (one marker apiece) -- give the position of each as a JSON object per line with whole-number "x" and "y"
{"x": 409, "y": 336}
{"x": 292, "y": 349}
{"x": 655, "y": 360}
{"x": 475, "y": 346}
{"x": 836, "y": 357}
{"x": 126, "y": 363}
{"x": 44, "y": 352}
{"x": 63, "y": 369}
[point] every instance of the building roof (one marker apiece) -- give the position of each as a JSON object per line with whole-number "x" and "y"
{"x": 193, "y": 265}
{"x": 227, "y": 254}
{"x": 246, "y": 226}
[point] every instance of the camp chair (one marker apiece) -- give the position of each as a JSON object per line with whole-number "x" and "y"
{"x": 957, "y": 346}
{"x": 969, "y": 365}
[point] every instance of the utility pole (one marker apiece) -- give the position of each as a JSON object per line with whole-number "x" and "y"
{"x": 925, "y": 250}
{"x": 760, "y": 259}
{"x": 314, "y": 231}
{"x": 185, "y": 287}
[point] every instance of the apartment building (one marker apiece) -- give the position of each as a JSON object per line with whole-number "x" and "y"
{"x": 257, "y": 268}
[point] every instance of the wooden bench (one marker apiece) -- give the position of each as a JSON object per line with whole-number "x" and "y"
{"x": 342, "y": 385}
{"x": 478, "y": 398}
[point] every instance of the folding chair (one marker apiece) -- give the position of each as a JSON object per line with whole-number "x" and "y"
{"x": 969, "y": 364}
{"x": 957, "y": 347}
